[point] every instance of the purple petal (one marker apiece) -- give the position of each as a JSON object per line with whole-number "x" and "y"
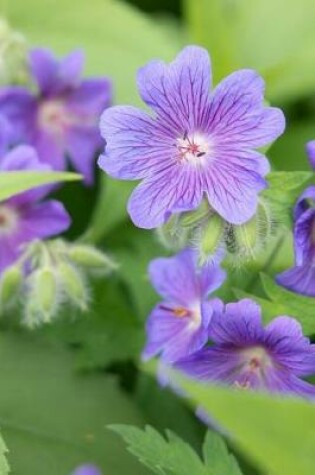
{"x": 299, "y": 279}
{"x": 174, "y": 278}
{"x": 6, "y": 135}
{"x": 216, "y": 364}
{"x": 9, "y": 252}
{"x": 49, "y": 150}
{"x": 25, "y": 158}
{"x": 211, "y": 278}
{"x": 290, "y": 348}
{"x": 44, "y": 68}
{"x": 232, "y": 189}
{"x": 236, "y": 114}
{"x": 170, "y": 190}
{"x": 19, "y": 106}
{"x": 89, "y": 99}
{"x": 82, "y": 145}
{"x": 70, "y": 69}
{"x": 42, "y": 220}
{"x": 178, "y": 92}
{"x": 172, "y": 336}
{"x": 303, "y": 238}
{"x": 87, "y": 470}
{"x": 135, "y": 147}
{"x": 302, "y": 203}
{"x": 239, "y": 325}
{"x": 310, "y": 148}
{"x": 285, "y": 382}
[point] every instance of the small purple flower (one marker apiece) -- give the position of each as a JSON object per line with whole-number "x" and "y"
{"x": 179, "y": 325}
{"x": 196, "y": 145}
{"x": 25, "y": 217}
{"x": 87, "y": 470}
{"x": 301, "y": 277}
{"x": 61, "y": 118}
{"x": 310, "y": 148}
{"x": 247, "y": 355}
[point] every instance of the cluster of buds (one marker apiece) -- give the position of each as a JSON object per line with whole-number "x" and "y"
{"x": 13, "y": 56}
{"x": 50, "y": 274}
{"x": 209, "y": 234}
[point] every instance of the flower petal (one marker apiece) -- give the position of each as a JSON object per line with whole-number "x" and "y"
{"x": 236, "y": 114}
{"x": 310, "y": 148}
{"x": 175, "y": 279}
{"x": 70, "y": 69}
{"x": 173, "y": 189}
{"x": 44, "y": 68}
{"x": 135, "y": 146}
{"x": 82, "y": 145}
{"x": 178, "y": 92}
{"x": 89, "y": 99}
{"x": 42, "y": 220}
{"x": 19, "y": 106}
{"x": 299, "y": 279}
{"x": 232, "y": 190}
{"x": 239, "y": 325}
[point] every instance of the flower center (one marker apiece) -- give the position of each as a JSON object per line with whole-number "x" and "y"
{"x": 192, "y": 147}
{"x": 194, "y": 314}
{"x": 8, "y": 220}
{"x": 254, "y": 362}
{"x": 54, "y": 117}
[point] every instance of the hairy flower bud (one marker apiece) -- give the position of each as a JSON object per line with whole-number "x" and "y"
{"x": 10, "y": 284}
{"x": 13, "y": 56}
{"x": 43, "y": 296}
{"x": 90, "y": 258}
{"x": 73, "y": 284}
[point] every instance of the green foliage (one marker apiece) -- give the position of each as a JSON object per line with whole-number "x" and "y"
{"x": 173, "y": 456}
{"x": 12, "y": 183}
{"x": 116, "y": 37}
{"x": 276, "y": 432}
{"x": 4, "y": 466}
{"x": 52, "y": 419}
{"x": 283, "y": 51}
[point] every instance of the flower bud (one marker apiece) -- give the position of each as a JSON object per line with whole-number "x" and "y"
{"x": 211, "y": 237}
{"x": 42, "y": 299}
{"x": 73, "y": 285}
{"x": 13, "y": 56}
{"x": 89, "y": 257}
{"x": 10, "y": 284}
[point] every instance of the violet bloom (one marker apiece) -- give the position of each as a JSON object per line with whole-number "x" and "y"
{"x": 247, "y": 355}
{"x": 25, "y": 217}
{"x": 301, "y": 277}
{"x": 195, "y": 145}
{"x": 179, "y": 325}
{"x": 87, "y": 470}
{"x": 61, "y": 118}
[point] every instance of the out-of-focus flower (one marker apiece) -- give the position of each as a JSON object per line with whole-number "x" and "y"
{"x": 87, "y": 470}
{"x": 25, "y": 217}
{"x": 51, "y": 274}
{"x": 179, "y": 325}
{"x": 61, "y": 118}
{"x": 197, "y": 145}
{"x": 301, "y": 277}
{"x": 247, "y": 355}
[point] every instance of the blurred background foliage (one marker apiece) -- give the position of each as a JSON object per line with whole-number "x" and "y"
{"x": 62, "y": 384}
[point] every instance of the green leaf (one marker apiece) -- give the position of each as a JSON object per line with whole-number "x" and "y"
{"x": 294, "y": 305}
{"x": 217, "y": 456}
{"x": 53, "y": 419}
{"x": 285, "y": 57}
{"x": 116, "y": 37}
{"x": 277, "y": 433}
{"x": 173, "y": 456}
{"x": 288, "y": 181}
{"x": 4, "y": 466}
{"x": 12, "y": 183}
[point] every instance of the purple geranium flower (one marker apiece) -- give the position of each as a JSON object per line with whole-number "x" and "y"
{"x": 62, "y": 117}
{"x": 247, "y": 355}
{"x": 197, "y": 145}
{"x": 87, "y": 470}
{"x": 301, "y": 277}
{"x": 25, "y": 216}
{"x": 179, "y": 325}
